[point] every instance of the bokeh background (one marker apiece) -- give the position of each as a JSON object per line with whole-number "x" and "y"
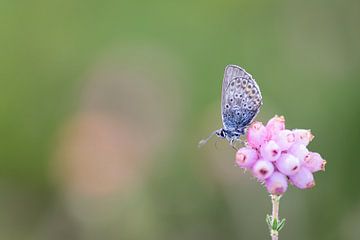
{"x": 102, "y": 104}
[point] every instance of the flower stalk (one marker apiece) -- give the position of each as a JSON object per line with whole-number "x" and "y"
{"x": 273, "y": 221}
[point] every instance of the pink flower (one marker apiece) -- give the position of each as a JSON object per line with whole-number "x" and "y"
{"x": 314, "y": 162}
{"x": 256, "y": 134}
{"x": 246, "y": 157}
{"x": 270, "y": 151}
{"x": 300, "y": 151}
{"x": 285, "y": 139}
{"x": 275, "y": 125}
{"x": 277, "y": 155}
{"x": 277, "y": 183}
{"x": 303, "y": 136}
{"x": 303, "y": 179}
{"x": 288, "y": 164}
{"x": 262, "y": 169}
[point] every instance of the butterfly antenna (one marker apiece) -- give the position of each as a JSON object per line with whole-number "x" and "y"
{"x": 204, "y": 141}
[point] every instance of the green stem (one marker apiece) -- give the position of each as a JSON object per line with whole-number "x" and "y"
{"x": 273, "y": 221}
{"x": 275, "y": 215}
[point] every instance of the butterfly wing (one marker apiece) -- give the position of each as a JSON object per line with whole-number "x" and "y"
{"x": 241, "y": 98}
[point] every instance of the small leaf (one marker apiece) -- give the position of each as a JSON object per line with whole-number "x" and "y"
{"x": 268, "y": 220}
{"x": 281, "y": 224}
{"x": 274, "y": 224}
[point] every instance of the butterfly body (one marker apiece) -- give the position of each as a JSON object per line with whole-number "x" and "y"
{"x": 240, "y": 102}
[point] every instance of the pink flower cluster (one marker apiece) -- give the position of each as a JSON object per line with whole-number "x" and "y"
{"x": 275, "y": 155}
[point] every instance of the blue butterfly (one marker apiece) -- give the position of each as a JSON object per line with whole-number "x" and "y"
{"x": 240, "y": 102}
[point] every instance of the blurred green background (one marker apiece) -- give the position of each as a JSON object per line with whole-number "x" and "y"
{"x": 102, "y": 104}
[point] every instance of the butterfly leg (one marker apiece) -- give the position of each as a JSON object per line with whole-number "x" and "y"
{"x": 232, "y": 143}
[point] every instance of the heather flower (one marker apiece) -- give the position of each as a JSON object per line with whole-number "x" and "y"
{"x": 288, "y": 164}
{"x": 300, "y": 151}
{"x": 275, "y": 125}
{"x": 277, "y": 183}
{"x": 285, "y": 139}
{"x": 257, "y": 134}
{"x": 303, "y": 136}
{"x": 303, "y": 179}
{"x": 246, "y": 157}
{"x": 270, "y": 151}
{"x": 276, "y": 156}
{"x": 262, "y": 169}
{"x": 314, "y": 162}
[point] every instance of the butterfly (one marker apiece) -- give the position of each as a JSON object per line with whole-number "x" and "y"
{"x": 240, "y": 103}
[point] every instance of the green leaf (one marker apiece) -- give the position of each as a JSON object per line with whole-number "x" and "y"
{"x": 281, "y": 224}
{"x": 274, "y": 224}
{"x": 268, "y": 221}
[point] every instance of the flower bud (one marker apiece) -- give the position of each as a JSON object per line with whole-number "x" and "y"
{"x": 303, "y": 179}
{"x": 314, "y": 162}
{"x": 262, "y": 169}
{"x": 303, "y": 136}
{"x": 275, "y": 125}
{"x": 288, "y": 164}
{"x": 256, "y": 134}
{"x": 270, "y": 151}
{"x": 285, "y": 139}
{"x": 246, "y": 157}
{"x": 276, "y": 183}
{"x": 300, "y": 151}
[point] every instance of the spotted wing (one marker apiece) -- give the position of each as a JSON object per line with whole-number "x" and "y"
{"x": 241, "y": 98}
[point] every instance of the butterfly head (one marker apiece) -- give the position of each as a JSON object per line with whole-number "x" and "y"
{"x": 221, "y": 133}
{"x": 229, "y": 135}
